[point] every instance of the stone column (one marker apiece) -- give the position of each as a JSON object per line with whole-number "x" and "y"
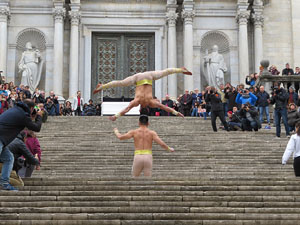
{"x": 4, "y": 16}
{"x": 188, "y": 14}
{"x": 172, "y": 46}
{"x": 242, "y": 19}
{"x": 258, "y": 20}
{"x": 59, "y": 13}
{"x": 74, "y": 49}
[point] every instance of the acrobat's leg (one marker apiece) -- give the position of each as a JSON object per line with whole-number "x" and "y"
{"x": 129, "y": 81}
{"x": 156, "y": 75}
{"x": 132, "y": 104}
{"x": 155, "y": 104}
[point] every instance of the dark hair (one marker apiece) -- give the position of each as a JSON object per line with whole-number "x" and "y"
{"x": 23, "y": 134}
{"x": 143, "y": 119}
{"x": 144, "y": 111}
{"x": 29, "y": 103}
{"x": 298, "y": 128}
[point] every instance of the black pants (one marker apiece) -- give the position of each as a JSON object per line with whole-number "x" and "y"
{"x": 297, "y": 166}
{"x": 78, "y": 111}
{"x": 214, "y": 115}
{"x": 186, "y": 111}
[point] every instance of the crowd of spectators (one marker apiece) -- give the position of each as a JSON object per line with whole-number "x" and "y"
{"x": 11, "y": 94}
{"x": 244, "y": 108}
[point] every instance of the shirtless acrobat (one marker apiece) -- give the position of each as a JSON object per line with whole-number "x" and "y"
{"x": 143, "y": 91}
{"x": 143, "y": 138}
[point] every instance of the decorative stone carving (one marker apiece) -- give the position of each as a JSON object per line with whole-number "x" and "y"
{"x": 35, "y": 36}
{"x": 258, "y": 19}
{"x": 74, "y": 17}
{"x": 215, "y": 67}
{"x": 59, "y": 14}
{"x": 242, "y": 17}
{"x": 172, "y": 17}
{"x": 4, "y": 14}
{"x": 188, "y": 15}
{"x": 31, "y": 65}
{"x": 212, "y": 38}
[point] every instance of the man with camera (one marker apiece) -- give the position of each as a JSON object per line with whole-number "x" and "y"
{"x": 280, "y": 98}
{"x": 12, "y": 122}
{"x": 249, "y": 115}
{"x": 216, "y": 108}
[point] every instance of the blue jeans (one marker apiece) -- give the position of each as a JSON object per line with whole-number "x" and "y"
{"x": 225, "y": 108}
{"x": 261, "y": 113}
{"x": 194, "y": 112}
{"x": 7, "y": 158}
{"x": 204, "y": 114}
{"x": 278, "y": 114}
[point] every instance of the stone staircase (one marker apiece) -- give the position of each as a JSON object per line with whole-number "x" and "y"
{"x": 213, "y": 178}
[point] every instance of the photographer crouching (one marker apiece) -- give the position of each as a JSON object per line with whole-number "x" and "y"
{"x": 12, "y": 122}
{"x": 250, "y": 118}
{"x": 214, "y": 98}
{"x": 280, "y": 98}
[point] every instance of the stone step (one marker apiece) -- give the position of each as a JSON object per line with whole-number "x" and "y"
{"x": 212, "y": 178}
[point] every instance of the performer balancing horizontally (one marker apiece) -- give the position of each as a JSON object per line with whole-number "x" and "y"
{"x": 143, "y": 138}
{"x": 143, "y": 91}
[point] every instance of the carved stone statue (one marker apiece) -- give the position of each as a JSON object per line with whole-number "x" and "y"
{"x": 215, "y": 67}
{"x": 31, "y": 65}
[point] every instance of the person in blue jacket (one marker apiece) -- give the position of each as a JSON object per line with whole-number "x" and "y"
{"x": 12, "y": 122}
{"x": 245, "y": 96}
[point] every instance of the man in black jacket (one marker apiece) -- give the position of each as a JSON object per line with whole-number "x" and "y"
{"x": 167, "y": 102}
{"x": 12, "y": 122}
{"x": 250, "y": 118}
{"x": 216, "y": 108}
{"x": 280, "y": 98}
{"x": 18, "y": 148}
{"x": 186, "y": 103}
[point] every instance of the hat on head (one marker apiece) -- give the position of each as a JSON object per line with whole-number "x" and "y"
{"x": 230, "y": 112}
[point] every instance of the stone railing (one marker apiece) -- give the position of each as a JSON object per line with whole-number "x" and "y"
{"x": 267, "y": 79}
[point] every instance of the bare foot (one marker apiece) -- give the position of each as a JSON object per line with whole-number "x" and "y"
{"x": 98, "y": 88}
{"x": 113, "y": 118}
{"x": 185, "y": 71}
{"x": 180, "y": 114}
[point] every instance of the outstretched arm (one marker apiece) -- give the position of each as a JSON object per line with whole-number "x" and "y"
{"x": 156, "y": 104}
{"x": 157, "y": 139}
{"x": 132, "y": 104}
{"x": 126, "y": 136}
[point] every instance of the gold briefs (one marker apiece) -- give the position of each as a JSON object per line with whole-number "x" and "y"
{"x": 143, "y": 152}
{"x": 142, "y": 82}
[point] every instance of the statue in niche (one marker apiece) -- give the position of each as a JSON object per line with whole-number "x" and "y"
{"x": 215, "y": 67}
{"x": 31, "y": 65}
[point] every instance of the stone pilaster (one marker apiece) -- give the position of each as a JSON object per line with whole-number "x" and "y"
{"x": 4, "y": 17}
{"x": 171, "y": 18}
{"x": 59, "y": 14}
{"x": 188, "y": 15}
{"x": 242, "y": 18}
{"x": 258, "y": 20}
{"x": 74, "y": 16}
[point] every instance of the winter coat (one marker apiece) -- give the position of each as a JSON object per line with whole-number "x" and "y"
{"x": 215, "y": 100}
{"x": 262, "y": 99}
{"x": 14, "y": 120}
{"x": 18, "y": 148}
{"x": 33, "y": 144}
{"x": 280, "y": 99}
{"x": 293, "y": 118}
{"x": 243, "y": 100}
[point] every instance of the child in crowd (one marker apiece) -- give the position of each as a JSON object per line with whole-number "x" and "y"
{"x": 33, "y": 144}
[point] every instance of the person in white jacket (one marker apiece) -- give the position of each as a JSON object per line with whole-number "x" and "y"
{"x": 293, "y": 147}
{"x": 78, "y": 104}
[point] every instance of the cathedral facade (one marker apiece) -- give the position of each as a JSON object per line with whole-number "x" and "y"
{"x": 82, "y": 42}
